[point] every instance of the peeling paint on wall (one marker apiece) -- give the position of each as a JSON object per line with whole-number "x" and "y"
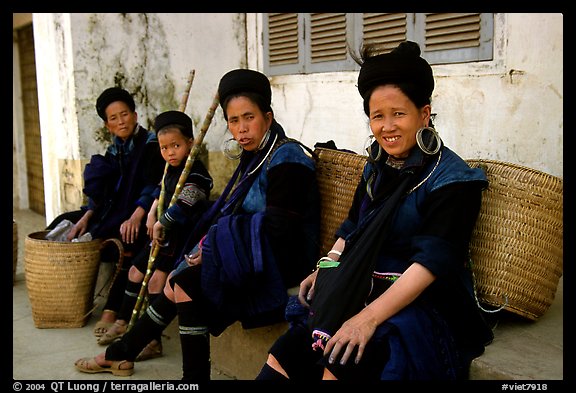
{"x": 134, "y": 57}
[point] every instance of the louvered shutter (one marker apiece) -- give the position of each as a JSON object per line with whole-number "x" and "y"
{"x": 283, "y": 43}
{"x": 455, "y": 37}
{"x": 385, "y": 31}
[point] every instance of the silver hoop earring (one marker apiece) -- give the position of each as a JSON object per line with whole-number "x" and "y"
{"x": 433, "y": 145}
{"x": 370, "y": 142}
{"x": 232, "y": 149}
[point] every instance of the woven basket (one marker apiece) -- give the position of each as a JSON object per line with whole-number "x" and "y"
{"x": 517, "y": 243}
{"x": 60, "y": 278}
{"x": 338, "y": 174}
{"x": 14, "y": 250}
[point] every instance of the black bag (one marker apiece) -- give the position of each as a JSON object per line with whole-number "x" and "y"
{"x": 341, "y": 291}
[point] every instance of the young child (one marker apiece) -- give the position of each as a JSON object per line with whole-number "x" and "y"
{"x": 175, "y": 138}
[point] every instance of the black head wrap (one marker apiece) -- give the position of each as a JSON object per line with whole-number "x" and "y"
{"x": 401, "y": 66}
{"x": 111, "y": 95}
{"x": 174, "y": 118}
{"x": 243, "y": 80}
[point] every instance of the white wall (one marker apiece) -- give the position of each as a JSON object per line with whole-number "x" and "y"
{"x": 508, "y": 109}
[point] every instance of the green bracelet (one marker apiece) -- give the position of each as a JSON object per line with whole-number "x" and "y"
{"x": 326, "y": 262}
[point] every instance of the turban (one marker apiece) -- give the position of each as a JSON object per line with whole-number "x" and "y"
{"x": 170, "y": 118}
{"x": 402, "y": 65}
{"x": 242, "y": 81}
{"x": 111, "y": 95}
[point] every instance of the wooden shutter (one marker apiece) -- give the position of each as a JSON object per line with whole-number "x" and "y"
{"x": 283, "y": 39}
{"x": 451, "y": 31}
{"x": 385, "y": 31}
{"x": 327, "y": 37}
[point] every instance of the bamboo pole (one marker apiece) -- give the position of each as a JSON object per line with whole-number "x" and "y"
{"x": 183, "y": 176}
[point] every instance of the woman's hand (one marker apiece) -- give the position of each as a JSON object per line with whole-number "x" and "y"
{"x": 129, "y": 231}
{"x": 80, "y": 227}
{"x": 306, "y": 291}
{"x": 194, "y": 258}
{"x": 354, "y": 333}
{"x": 130, "y": 228}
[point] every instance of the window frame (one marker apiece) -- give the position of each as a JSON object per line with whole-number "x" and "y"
{"x": 415, "y": 31}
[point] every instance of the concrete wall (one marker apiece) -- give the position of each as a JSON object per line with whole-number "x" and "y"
{"x": 508, "y": 109}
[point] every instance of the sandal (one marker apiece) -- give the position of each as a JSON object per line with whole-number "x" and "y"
{"x": 116, "y": 331}
{"x": 151, "y": 351}
{"x": 90, "y": 366}
{"x": 101, "y": 328}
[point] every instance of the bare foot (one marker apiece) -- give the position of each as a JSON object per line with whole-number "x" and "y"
{"x": 106, "y": 321}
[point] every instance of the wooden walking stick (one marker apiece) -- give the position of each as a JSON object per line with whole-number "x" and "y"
{"x": 183, "y": 176}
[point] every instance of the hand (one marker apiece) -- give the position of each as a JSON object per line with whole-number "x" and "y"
{"x": 194, "y": 258}
{"x": 306, "y": 291}
{"x": 150, "y": 221}
{"x": 80, "y": 227}
{"x": 129, "y": 231}
{"x": 355, "y": 332}
{"x": 158, "y": 234}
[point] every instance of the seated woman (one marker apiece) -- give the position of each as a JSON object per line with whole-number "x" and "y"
{"x": 258, "y": 240}
{"x": 394, "y": 298}
{"x": 119, "y": 187}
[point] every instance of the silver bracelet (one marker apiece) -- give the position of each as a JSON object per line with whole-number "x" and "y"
{"x": 339, "y": 253}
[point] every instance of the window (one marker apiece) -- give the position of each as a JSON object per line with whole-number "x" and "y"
{"x": 296, "y": 43}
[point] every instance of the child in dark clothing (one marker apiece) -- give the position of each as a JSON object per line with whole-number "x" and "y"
{"x": 175, "y": 138}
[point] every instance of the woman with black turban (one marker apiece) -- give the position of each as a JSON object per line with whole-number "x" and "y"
{"x": 393, "y": 299}
{"x": 119, "y": 187}
{"x": 258, "y": 240}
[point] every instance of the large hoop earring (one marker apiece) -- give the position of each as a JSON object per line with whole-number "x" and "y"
{"x": 434, "y": 144}
{"x": 232, "y": 149}
{"x": 369, "y": 143}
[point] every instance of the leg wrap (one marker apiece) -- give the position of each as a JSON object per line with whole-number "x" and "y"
{"x": 149, "y": 326}
{"x": 116, "y": 293}
{"x": 152, "y": 297}
{"x": 129, "y": 301}
{"x": 195, "y": 343}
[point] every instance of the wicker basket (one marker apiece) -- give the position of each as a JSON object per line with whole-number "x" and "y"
{"x": 60, "y": 278}
{"x": 338, "y": 174}
{"x": 517, "y": 244}
{"x": 14, "y": 250}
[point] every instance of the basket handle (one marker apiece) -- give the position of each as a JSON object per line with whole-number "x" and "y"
{"x": 110, "y": 281}
{"x": 504, "y": 296}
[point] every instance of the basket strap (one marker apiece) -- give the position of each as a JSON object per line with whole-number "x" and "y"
{"x": 505, "y": 297}
{"x": 120, "y": 247}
